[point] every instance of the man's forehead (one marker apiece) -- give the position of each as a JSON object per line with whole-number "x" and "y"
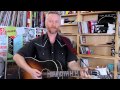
{"x": 51, "y": 15}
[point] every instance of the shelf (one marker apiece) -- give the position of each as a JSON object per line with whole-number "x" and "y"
{"x": 97, "y": 34}
{"x": 68, "y": 34}
{"x": 99, "y": 45}
{"x": 69, "y": 24}
{"x": 96, "y": 56}
{"x": 96, "y": 12}
{"x": 68, "y": 15}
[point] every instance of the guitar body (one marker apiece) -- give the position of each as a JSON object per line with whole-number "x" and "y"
{"x": 43, "y": 66}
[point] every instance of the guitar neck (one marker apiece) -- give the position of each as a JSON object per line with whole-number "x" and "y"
{"x": 61, "y": 74}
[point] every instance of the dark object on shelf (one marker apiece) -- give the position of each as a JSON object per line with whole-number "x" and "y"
{"x": 68, "y": 21}
{"x": 100, "y": 29}
{"x": 109, "y": 43}
{"x": 104, "y": 20}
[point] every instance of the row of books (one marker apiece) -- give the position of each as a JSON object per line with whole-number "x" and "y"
{"x": 22, "y": 18}
{"x": 86, "y": 50}
{"x": 86, "y": 27}
{"x": 38, "y": 19}
{"x": 86, "y": 11}
{"x": 68, "y": 12}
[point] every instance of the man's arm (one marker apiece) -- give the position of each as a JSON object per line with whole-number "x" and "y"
{"x": 20, "y": 61}
{"x": 73, "y": 65}
{"x": 72, "y": 59}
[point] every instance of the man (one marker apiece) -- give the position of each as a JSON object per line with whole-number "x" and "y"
{"x": 50, "y": 46}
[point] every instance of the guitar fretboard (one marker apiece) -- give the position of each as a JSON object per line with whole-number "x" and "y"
{"x": 61, "y": 74}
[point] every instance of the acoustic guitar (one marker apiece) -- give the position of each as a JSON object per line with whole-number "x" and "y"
{"x": 50, "y": 69}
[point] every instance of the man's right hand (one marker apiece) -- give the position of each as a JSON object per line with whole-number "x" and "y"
{"x": 84, "y": 74}
{"x": 36, "y": 74}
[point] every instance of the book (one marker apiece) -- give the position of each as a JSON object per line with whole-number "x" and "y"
{"x": 84, "y": 62}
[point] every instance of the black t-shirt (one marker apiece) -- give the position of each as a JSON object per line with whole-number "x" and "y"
{"x": 41, "y": 49}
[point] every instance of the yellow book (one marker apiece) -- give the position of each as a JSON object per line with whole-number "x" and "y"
{"x": 30, "y": 18}
{"x": 67, "y": 12}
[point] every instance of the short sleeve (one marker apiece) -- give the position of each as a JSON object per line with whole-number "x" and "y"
{"x": 70, "y": 53}
{"x": 28, "y": 50}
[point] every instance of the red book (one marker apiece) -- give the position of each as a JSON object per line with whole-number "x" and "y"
{"x": 28, "y": 18}
{"x": 89, "y": 27}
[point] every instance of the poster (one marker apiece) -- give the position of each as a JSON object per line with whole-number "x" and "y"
{"x": 10, "y": 30}
{"x": 40, "y": 31}
{"x": 2, "y": 31}
{"x": 30, "y": 34}
{"x": 17, "y": 43}
{"x": 106, "y": 22}
{"x": 20, "y": 30}
{"x": 3, "y": 46}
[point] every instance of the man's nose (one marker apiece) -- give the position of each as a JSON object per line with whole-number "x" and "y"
{"x": 53, "y": 24}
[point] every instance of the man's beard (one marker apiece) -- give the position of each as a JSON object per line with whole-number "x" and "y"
{"x": 53, "y": 31}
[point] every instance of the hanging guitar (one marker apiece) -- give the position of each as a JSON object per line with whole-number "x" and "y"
{"x": 49, "y": 68}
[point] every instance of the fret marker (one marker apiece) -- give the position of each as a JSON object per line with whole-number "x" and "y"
{"x": 71, "y": 73}
{"x": 60, "y": 74}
